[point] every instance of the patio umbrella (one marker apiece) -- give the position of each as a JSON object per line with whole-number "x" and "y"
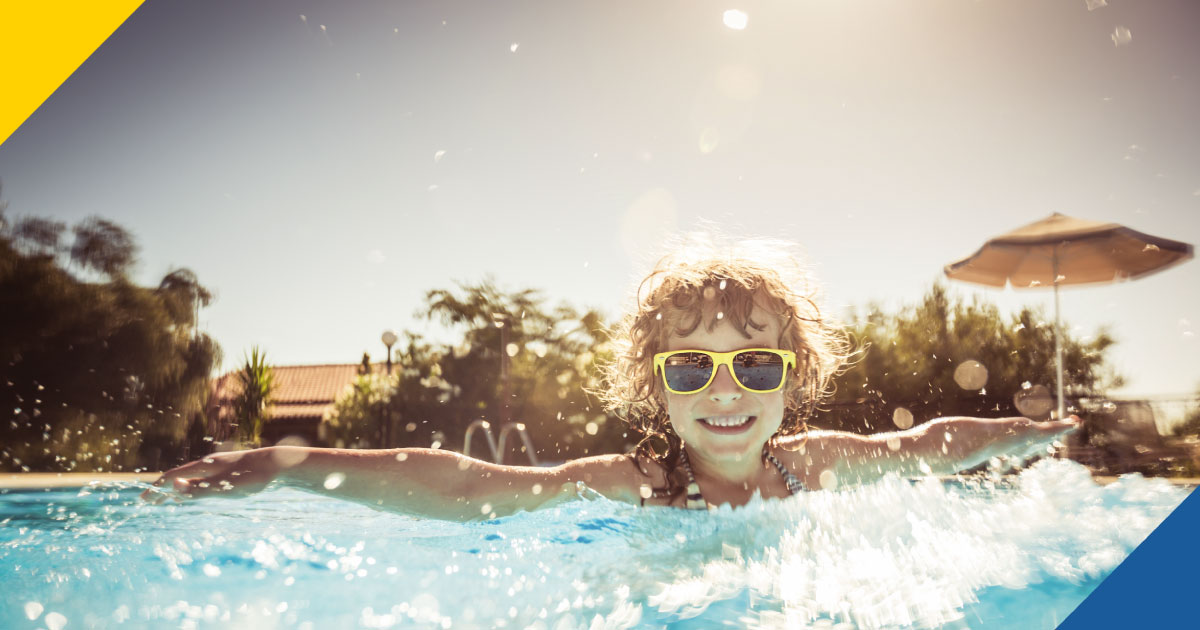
{"x": 1061, "y": 250}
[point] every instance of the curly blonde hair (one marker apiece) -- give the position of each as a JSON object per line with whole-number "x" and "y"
{"x": 706, "y": 279}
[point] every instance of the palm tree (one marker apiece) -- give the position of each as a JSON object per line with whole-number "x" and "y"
{"x": 257, "y": 380}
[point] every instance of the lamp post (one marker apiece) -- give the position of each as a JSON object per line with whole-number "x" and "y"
{"x": 501, "y": 320}
{"x": 389, "y": 339}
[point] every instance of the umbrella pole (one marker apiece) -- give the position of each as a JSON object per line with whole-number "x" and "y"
{"x": 1058, "y": 360}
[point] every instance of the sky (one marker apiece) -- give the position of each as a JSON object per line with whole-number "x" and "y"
{"x": 321, "y": 165}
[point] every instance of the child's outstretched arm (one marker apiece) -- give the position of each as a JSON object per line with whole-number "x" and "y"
{"x": 417, "y": 481}
{"x": 939, "y": 447}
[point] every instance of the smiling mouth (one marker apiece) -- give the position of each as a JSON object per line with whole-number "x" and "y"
{"x": 728, "y": 424}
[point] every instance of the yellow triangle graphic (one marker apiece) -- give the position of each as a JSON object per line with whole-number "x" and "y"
{"x": 44, "y": 42}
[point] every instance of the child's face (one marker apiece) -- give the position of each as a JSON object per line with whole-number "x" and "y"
{"x": 724, "y": 398}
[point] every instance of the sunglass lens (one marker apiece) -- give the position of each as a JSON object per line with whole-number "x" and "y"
{"x": 688, "y": 371}
{"x": 758, "y": 370}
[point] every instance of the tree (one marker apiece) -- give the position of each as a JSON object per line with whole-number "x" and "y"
{"x": 359, "y": 414}
{"x": 256, "y": 384}
{"x": 518, "y": 359}
{"x": 916, "y": 361}
{"x": 101, "y": 375}
{"x": 103, "y": 246}
{"x": 1191, "y": 422}
{"x": 548, "y": 356}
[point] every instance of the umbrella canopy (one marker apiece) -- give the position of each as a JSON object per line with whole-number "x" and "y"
{"x": 1064, "y": 250}
{"x": 1061, "y": 250}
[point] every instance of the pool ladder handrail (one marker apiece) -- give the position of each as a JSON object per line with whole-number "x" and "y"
{"x": 497, "y": 449}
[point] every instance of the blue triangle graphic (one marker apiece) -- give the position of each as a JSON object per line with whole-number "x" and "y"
{"x": 1156, "y": 586}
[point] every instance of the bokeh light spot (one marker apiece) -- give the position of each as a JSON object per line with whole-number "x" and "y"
{"x": 971, "y": 375}
{"x": 735, "y": 19}
{"x": 333, "y": 480}
{"x": 828, "y": 480}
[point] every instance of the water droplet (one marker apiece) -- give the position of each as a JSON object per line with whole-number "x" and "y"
{"x": 33, "y": 610}
{"x": 303, "y": 18}
{"x": 437, "y": 157}
{"x": 212, "y": 570}
{"x": 512, "y": 349}
{"x": 1150, "y": 247}
{"x": 486, "y": 508}
{"x": 1121, "y": 36}
{"x": 902, "y": 418}
{"x": 334, "y": 480}
{"x": 322, "y": 28}
{"x": 1092, "y": 5}
{"x": 592, "y": 428}
{"x": 401, "y": 456}
{"x": 735, "y": 19}
{"x": 645, "y": 491}
{"x": 536, "y": 489}
{"x": 514, "y": 46}
{"x": 1033, "y": 401}
{"x": 709, "y": 139}
{"x": 893, "y": 443}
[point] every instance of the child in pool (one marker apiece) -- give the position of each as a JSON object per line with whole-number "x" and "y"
{"x": 722, "y": 359}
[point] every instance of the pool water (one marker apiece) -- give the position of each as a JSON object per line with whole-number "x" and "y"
{"x": 896, "y": 554}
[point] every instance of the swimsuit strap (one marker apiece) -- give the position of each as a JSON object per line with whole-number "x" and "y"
{"x": 794, "y": 485}
{"x": 695, "y": 500}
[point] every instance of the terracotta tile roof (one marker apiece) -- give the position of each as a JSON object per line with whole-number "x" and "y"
{"x": 302, "y": 392}
{"x": 289, "y": 411}
{"x": 312, "y": 383}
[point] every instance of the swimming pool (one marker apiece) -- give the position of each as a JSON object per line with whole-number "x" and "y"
{"x": 896, "y": 554}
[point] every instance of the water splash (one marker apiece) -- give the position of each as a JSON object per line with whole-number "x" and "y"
{"x": 894, "y": 554}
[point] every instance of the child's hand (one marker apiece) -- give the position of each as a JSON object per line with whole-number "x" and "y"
{"x": 231, "y": 474}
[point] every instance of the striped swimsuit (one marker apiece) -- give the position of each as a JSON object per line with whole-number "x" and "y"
{"x": 695, "y": 500}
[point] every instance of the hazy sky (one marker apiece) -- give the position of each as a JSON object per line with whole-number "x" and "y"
{"x": 321, "y": 165}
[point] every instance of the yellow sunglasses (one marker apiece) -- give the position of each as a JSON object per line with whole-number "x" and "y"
{"x": 759, "y": 370}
